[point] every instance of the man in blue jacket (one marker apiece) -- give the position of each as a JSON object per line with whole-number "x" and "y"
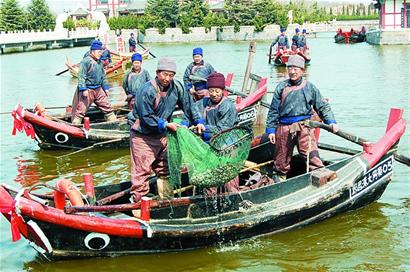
{"x": 220, "y": 114}
{"x": 92, "y": 86}
{"x": 134, "y": 79}
{"x": 198, "y": 68}
{"x": 293, "y": 102}
{"x": 281, "y": 40}
{"x": 154, "y": 106}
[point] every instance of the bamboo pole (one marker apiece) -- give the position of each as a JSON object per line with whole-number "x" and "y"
{"x": 252, "y": 51}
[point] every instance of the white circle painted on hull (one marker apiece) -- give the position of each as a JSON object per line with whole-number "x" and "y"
{"x": 96, "y": 241}
{"x": 61, "y": 137}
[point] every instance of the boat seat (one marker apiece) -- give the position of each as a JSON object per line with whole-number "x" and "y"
{"x": 322, "y": 176}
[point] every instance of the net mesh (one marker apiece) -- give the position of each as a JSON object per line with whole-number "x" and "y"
{"x": 207, "y": 165}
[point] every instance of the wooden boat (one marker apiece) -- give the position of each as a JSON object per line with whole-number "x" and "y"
{"x": 281, "y": 57}
{"x": 60, "y": 230}
{"x": 56, "y": 131}
{"x": 119, "y": 66}
{"x": 350, "y": 37}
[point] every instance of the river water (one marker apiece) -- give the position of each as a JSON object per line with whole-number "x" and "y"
{"x": 362, "y": 82}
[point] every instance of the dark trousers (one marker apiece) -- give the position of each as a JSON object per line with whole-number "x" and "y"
{"x": 148, "y": 153}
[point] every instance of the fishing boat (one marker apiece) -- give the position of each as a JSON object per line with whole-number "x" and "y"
{"x": 57, "y": 132}
{"x": 281, "y": 57}
{"x": 350, "y": 37}
{"x": 65, "y": 225}
{"x": 119, "y": 66}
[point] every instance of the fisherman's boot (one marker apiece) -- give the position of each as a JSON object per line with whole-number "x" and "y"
{"x": 164, "y": 189}
{"x": 110, "y": 117}
{"x": 77, "y": 120}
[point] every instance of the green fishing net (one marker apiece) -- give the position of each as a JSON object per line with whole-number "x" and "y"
{"x": 207, "y": 165}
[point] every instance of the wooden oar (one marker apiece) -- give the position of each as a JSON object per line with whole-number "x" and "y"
{"x": 62, "y": 72}
{"x": 47, "y": 108}
{"x": 125, "y": 192}
{"x": 255, "y": 166}
{"x": 270, "y": 54}
{"x": 143, "y": 47}
{"x": 90, "y": 147}
{"x": 355, "y": 139}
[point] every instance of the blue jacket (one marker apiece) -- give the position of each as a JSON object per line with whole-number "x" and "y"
{"x": 203, "y": 70}
{"x": 132, "y": 42}
{"x": 281, "y": 40}
{"x": 297, "y": 105}
{"x": 155, "y": 105}
{"x": 133, "y": 81}
{"x": 91, "y": 75}
{"x": 219, "y": 117}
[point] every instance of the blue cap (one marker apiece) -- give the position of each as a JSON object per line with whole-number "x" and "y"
{"x": 304, "y": 31}
{"x": 297, "y": 30}
{"x": 105, "y": 55}
{"x": 96, "y": 45}
{"x": 136, "y": 57}
{"x": 282, "y": 29}
{"x": 197, "y": 51}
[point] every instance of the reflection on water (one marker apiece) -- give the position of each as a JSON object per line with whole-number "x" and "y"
{"x": 107, "y": 166}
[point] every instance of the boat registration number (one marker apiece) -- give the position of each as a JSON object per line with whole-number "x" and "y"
{"x": 247, "y": 115}
{"x": 372, "y": 176}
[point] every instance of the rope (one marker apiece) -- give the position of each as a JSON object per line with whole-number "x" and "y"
{"x": 308, "y": 151}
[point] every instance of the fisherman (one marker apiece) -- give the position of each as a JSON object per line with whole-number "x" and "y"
{"x": 106, "y": 58}
{"x": 281, "y": 40}
{"x": 92, "y": 86}
{"x": 219, "y": 114}
{"x": 134, "y": 79}
{"x": 302, "y": 43}
{"x": 296, "y": 39}
{"x": 200, "y": 69}
{"x": 154, "y": 106}
{"x": 132, "y": 43}
{"x": 293, "y": 102}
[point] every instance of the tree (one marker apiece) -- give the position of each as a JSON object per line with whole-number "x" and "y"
{"x": 238, "y": 13}
{"x": 12, "y": 17}
{"x": 214, "y": 19}
{"x": 165, "y": 11}
{"x": 196, "y": 10}
{"x": 268, "y": 12}
{"x": 39, "y": 15}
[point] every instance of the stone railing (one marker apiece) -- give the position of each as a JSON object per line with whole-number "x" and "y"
{"x": 245, "y": 33}
{"x": 47, "y": 35}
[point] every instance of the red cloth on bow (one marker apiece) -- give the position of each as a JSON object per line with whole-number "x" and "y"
{"x": 19, "y": 124}
{"x": 15, "y": 220}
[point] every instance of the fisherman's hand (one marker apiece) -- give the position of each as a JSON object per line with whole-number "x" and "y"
{"x": 335, "y": 128}
{"x": 200, "y": 128}
{"x": 172, "y": 127}
{"x": 272, "y": 138}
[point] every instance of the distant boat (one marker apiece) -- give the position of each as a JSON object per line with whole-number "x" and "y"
{"x": 352, "y": 36}
{"x": 281, "y": 57}
{"x": 121, "y": 62}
